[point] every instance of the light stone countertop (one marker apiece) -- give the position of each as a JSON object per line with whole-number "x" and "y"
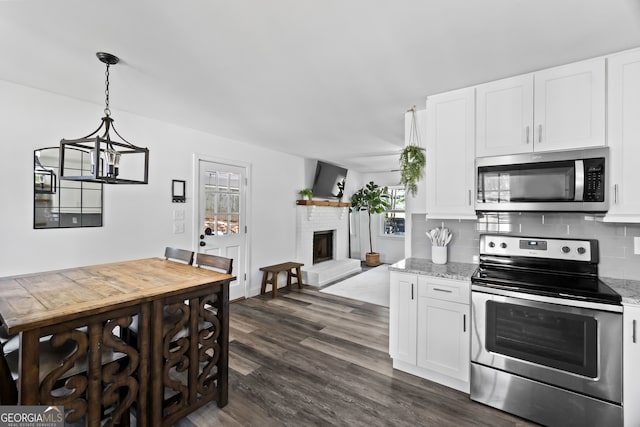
{"x": 628, "y": 289}
{"x": 450, "y": 270}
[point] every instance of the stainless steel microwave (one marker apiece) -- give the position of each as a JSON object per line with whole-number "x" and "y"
{"x": 567, "y": 181}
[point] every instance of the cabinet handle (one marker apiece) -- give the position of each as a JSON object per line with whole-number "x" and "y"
{"x": 469, "y": 197}
{"x": 633, "y": 335}
{"x": 615, "y": 194}
{"x": 442, "y": 290}
{"x": 527, "y": 133}
{"x": 464, "y": 323}
{"x": 540, "y": 133}
{"x": 412, "y": 291}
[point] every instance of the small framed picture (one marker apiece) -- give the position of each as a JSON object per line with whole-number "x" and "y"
{"x": 178, "y": 188}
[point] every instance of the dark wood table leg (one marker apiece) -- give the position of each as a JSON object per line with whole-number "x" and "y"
{"x": 223, "y": 341}
{"x": 144, "y": 318}
{"x": 94, "y": 386}
{"x": 28, "y": 384}
{"x": 194, "y": 362}
{"x": 157, "y": 385}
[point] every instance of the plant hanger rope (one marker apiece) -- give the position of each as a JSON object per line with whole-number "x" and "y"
{"x": 414, "y": 136}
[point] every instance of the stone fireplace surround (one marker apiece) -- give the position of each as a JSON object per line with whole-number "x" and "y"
{"x": 320, "y": 218}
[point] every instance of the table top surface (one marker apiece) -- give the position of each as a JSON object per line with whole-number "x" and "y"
{"x": 41, "y": 299}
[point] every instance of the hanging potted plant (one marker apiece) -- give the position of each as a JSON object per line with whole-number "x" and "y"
{"x": 374, "y": 200}
{"x": 412, "y": 159}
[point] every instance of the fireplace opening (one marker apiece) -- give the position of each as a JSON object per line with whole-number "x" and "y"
{"x": 322, "y": 246}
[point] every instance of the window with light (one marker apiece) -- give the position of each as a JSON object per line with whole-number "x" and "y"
{"x": 393, "y": 222}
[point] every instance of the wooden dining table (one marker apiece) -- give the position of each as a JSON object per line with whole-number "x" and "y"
{"x": 176, "y": 362}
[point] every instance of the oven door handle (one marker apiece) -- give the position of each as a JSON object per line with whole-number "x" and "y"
{"x": 614, "y": 308}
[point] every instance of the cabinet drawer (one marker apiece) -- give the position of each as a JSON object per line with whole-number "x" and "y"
{"x": 444, "y": 289}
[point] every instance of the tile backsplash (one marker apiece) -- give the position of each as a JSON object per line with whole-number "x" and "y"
{"x": 615, "y": 240}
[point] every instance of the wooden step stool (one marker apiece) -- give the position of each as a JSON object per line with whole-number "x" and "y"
{"x": 289, "y": 267}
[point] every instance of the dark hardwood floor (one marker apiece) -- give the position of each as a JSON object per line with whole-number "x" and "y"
{"x": 311, "y": 359}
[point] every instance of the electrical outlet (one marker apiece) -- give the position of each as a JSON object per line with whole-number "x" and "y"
{"x": 636, "y": 245}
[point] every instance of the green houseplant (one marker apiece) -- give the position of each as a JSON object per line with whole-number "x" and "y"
{"x": 306, "y": 193}
{"x": 412, "y": 163}
{"x": 412, "y": 158}
{"x": 374, "y": 200}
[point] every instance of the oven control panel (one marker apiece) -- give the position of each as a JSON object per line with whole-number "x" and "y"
{"x": 563, "y": 249}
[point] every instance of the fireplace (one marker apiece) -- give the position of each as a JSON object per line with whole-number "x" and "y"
{"x": 322, "y": 246}
{"x": 333, "y": 224}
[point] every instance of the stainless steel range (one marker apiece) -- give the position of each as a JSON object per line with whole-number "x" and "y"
{"x": 546, "y": 332}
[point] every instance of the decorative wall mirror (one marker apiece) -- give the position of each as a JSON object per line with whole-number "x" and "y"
{"x": 63, "y": 203}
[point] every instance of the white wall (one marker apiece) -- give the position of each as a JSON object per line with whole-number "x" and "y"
{"x": 138, "y": 219}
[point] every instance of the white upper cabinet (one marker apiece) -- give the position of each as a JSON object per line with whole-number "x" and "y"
{"x": 504, "y": 116}
{"x": 451, "y": 155}
{"x": 624, "y": 136}
{"x": 559, "y": 108}
{"x": 569, "y": 106}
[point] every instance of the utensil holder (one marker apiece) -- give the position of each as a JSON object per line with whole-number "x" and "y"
{"x": 439, "y": 254}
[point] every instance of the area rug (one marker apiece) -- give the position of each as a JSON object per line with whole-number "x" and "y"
{"x": 371, "y": 286}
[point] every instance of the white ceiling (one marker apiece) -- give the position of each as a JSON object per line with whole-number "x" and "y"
{"x": 324, "y": 79}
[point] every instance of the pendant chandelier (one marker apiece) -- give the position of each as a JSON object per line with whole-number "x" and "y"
{"x": 112, "y": 161}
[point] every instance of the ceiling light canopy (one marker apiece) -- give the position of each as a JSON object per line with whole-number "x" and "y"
{"x": 112, "y": 161}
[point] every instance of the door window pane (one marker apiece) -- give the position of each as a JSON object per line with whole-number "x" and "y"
{"x": 222, "y": 202}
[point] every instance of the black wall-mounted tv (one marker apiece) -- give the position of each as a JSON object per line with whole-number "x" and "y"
{"x": 325, "y": 183}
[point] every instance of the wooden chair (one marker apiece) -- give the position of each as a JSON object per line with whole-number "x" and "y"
{"x": 181, "y": 255}
{"x": 214, "y": 262}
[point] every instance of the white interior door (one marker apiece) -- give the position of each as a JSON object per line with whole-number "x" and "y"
{"x": 221, "y": 222}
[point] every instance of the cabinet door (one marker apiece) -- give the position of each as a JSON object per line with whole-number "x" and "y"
{"x": 443, "y": 337}
{"x": 450, "y": 155}
{"x": 402, "y": 317}
{"x": 631, "y": 365}
{"x": 569, "y": 107}
{"x": 504, "y": 116}
{"x": 624, "y": 136}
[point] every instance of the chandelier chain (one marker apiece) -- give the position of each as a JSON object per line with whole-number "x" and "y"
{"x": 107, "y": 111}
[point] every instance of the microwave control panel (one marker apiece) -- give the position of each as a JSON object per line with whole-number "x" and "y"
{"x": 594, "y": 180}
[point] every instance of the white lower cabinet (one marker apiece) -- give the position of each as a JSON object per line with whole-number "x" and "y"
{"x": 402, "y": 317}
{"x": 631, "y": 365}
{"x": 435, "y": 313}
